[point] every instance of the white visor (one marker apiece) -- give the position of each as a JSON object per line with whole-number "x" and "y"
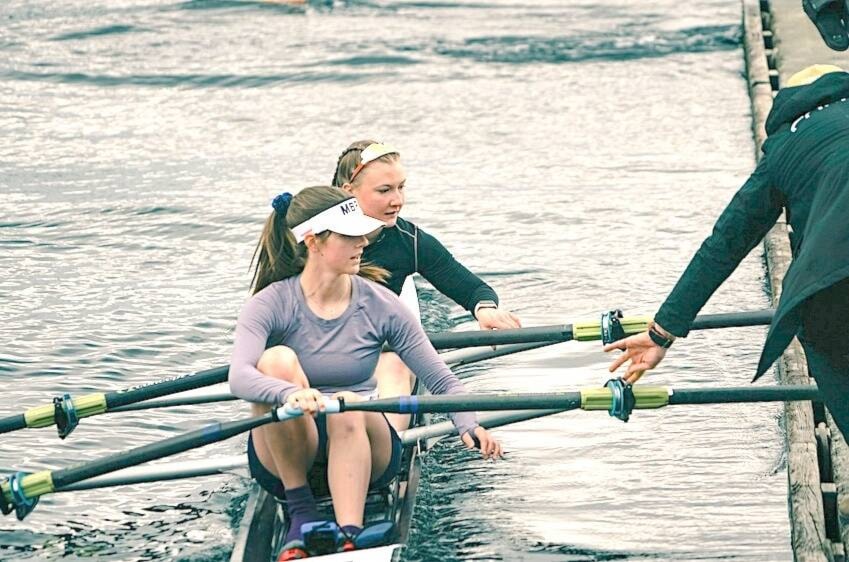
{"x": 343, "y": 218}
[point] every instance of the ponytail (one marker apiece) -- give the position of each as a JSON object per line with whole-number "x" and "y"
{"x": 278, "y": 255}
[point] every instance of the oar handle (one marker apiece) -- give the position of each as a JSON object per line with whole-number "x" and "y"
{"x": 331, "y": 406}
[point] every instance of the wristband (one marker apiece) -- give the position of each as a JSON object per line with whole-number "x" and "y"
{"x": 659, "y": 339}
{"x": 485, "y": 304}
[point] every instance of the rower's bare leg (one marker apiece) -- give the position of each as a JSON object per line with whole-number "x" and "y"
{"x": 287, "y": 449}
{"x": 394, "y": 378}
{"x": 358, "y": 452}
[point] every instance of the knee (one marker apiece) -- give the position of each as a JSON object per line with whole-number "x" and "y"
{"x": 344, "y": 425}
{"x": 389, "y": 362}
{"x": 390, "y": 365}
{"x": 281, "y": 362}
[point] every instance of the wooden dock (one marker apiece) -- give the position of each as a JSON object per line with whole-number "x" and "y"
{"x": 779, "y": 41}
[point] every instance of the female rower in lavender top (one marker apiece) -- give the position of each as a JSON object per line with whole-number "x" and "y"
{"x": 314, "y": 327}
{"x": 372, "y": 172}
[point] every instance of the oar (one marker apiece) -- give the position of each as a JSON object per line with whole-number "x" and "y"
{"x": 66, "y": 412}
{"x": 453, "y": 358}
{"x": 21, "y": 491}
{"x": 203, "y": 396}
{"x": 646, "y": 397}
{"x": 588, "y": 331}
{"x": 458, "y": 357}
{"x": 228, "y": 464}
{"x": 488, "y": 420}
{"x": 143, "y": 397}
{"x": 163, "y": 471}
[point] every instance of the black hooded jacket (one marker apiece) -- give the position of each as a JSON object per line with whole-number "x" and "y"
{"x": 804, "y": 170}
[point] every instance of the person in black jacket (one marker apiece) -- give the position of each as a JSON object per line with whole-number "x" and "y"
{"x": 373, "y": 173}
{"x": 804, "y": 171}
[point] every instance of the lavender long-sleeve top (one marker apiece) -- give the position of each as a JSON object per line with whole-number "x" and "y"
{"x": 338, "y": 354}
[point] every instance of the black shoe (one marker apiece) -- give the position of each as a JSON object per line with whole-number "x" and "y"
{"x": 829, "y": 16}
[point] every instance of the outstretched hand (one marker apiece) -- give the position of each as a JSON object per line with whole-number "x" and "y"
{"x": 641, "y": 351}
{"x": 496, "y": 319}
{"x": 489, "y": 445}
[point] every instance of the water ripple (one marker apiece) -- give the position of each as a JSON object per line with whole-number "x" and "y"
{"x": 182, "y": 80}
{"x": 100, "y": 31}
{"x": 590, "y": 47}
{"x": 373, "y": 60}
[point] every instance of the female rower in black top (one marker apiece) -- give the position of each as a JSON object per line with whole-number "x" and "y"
{"x": 373, "y": 173}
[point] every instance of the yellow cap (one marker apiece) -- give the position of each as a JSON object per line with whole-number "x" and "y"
{"x": 810, "y": 74}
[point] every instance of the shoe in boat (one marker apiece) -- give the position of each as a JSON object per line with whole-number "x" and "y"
{"x": 376, "y": 534}
{"x": 293, "y": 550}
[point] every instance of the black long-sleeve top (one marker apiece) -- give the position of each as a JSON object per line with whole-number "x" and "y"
{"x": 406, "y": 249}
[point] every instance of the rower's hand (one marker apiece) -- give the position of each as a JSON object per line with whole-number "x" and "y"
{"x": 309, "y": 400}
{"x": 490, "y": 446}
{"x": 641, "y": 351}
{"x": 497, "y": 319}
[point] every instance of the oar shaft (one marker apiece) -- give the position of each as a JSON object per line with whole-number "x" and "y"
{"x": 206, "y": 398}
{"x": 489, "y": 420}
{"x": 167, "y": 386}
{"x": 35, "y": 485}
{"x": 596, "y": 398}
{"x": 100, "y": 403}
{"x": 733, "y": 319}
{"x": 12, "y": 423}
{"x": 459, "y": 357}
{"x": 207, "y": 435}
{"x": 45, "y": 482}
{"x": 162, "y": 471}
{"x": 467, "y": 403}
{"x": 731, "y": 395}
{"x": 501, "y": 337}
{"x": 588, "y": 331}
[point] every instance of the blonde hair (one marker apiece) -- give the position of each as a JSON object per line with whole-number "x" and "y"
{"x": 351, "y": 158}
{"x": 811, "y": 74}
{"x": 278, "y": 255}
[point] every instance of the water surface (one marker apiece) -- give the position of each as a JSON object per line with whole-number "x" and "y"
{"x": 574, "y": 153}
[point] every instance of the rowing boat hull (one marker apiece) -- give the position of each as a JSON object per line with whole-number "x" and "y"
{"x": 264, "y": 523}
